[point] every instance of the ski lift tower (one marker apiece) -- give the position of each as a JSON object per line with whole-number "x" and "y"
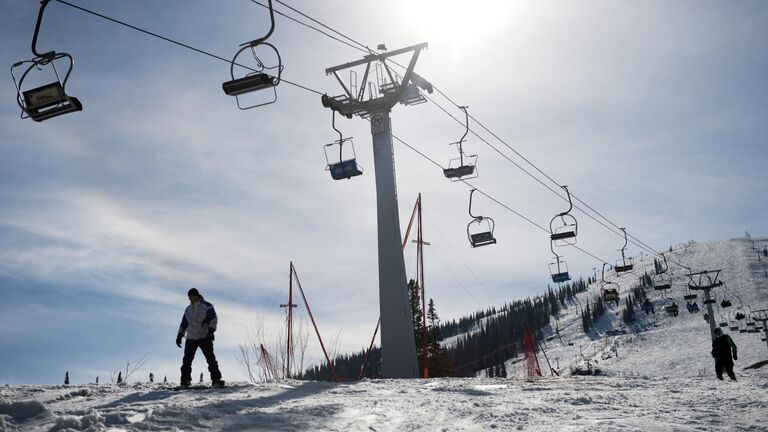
{"x": 706, "y": 281}
{"x": 398, "y": 348}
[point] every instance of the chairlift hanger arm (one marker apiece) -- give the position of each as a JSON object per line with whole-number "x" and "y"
{"x": 255, "y": 42}
{"x": 470, "y": 205}
{"x": 570, "y": 203}
{"x": 43, "y": 4}
{"x": 333, "y": 125}
{"x": 624, "y": 230}
{"x": 466, "y": 131}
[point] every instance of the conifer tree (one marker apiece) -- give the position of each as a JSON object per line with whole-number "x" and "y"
{"x": 119, "y": 377}
{"x": 66, "y": 378}
{"x": 417, "y": 314}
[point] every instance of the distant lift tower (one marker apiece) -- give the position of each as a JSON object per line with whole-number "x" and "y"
{"x": 384, "y": 90}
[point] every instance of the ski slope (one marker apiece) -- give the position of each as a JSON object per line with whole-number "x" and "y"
{"x": 658, "y": 344}
{"x": 658, "y": 376}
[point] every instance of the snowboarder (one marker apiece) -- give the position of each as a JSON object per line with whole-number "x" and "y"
{"x": 198, "y": 324}
{"x": 722, "y": 346}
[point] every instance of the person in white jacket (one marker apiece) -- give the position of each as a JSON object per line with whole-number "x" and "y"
{"x": 198, "y": 324}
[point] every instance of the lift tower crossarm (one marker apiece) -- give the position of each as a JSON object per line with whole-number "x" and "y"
{"x": 376, "y": 57}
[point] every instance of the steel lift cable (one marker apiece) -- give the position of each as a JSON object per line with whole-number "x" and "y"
{"x": 167, "y": 39}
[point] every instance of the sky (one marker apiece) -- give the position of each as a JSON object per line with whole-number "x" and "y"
{"x": 652, "y": 113}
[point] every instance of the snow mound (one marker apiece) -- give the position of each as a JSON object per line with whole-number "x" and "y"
{"x": 22, "y": 411}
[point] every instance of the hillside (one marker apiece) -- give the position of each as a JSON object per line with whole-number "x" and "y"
{"x": 659, "y": 344}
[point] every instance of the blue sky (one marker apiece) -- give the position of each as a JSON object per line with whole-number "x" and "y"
{"x": 653, "y": 113}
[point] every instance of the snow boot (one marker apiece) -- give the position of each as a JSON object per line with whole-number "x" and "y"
{"x": 218, "y": 384}
{"x": 184, "y": 385}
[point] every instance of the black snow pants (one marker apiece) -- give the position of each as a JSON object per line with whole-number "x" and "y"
{"x": 190, "y": 347}
{"x": 727, "y": 364}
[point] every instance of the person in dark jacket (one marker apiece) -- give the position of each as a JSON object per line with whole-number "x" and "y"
{"x": 722, "y": 346}
{"x": 198, "y": 324}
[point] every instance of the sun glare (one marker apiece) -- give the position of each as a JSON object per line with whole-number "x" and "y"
{"x": 459, "y": 21}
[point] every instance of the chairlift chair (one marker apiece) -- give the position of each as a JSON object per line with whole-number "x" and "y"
{"x": 611, "y": 294}
{"x": 258, "y": 78}
{"x": 672, "y": 310}
{"x": 558, "y": 269}
{"x": 723, "y": 321}
{"x": 662, "y": 268}
{"x": 750, "y": 319}
{"x": 344, "y": 168}
{"x": 740, "y": 312}
{"x": 662, "y": 282}
{"x": 482, "y": 234}
{"x": 625, "y": 264}
{"x": 733, "y": 325}
{"x": 690, "y": 295}
{"x": 49, "y": 100}
{"x": 609, "y": 290}
{"x": 464, "y": 166}
{"x": 564, "y": 234}
{"x": 725, "y": 303}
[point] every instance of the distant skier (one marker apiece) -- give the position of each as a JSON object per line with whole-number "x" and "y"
{"x": 722, "y": 346}
{"x": 198, "y": 324}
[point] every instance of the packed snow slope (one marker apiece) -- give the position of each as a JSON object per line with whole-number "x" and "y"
{"x": 657, "y": 376}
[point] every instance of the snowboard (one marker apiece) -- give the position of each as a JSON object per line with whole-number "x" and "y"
{"x": 197, "y": 387}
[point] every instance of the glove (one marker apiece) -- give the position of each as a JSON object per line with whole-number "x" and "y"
{"x": 178, "y": 340}
{"x": 735, "y": 357}
{"x": 210, "y": 334}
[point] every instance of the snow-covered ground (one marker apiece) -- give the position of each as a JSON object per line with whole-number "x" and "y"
{"x": 657, "y": 376}
{"x": 466, "y": 404}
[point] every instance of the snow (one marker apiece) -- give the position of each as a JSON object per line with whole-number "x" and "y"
{"x": 657, "y": 376}
{"x": 461, "y": 404}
